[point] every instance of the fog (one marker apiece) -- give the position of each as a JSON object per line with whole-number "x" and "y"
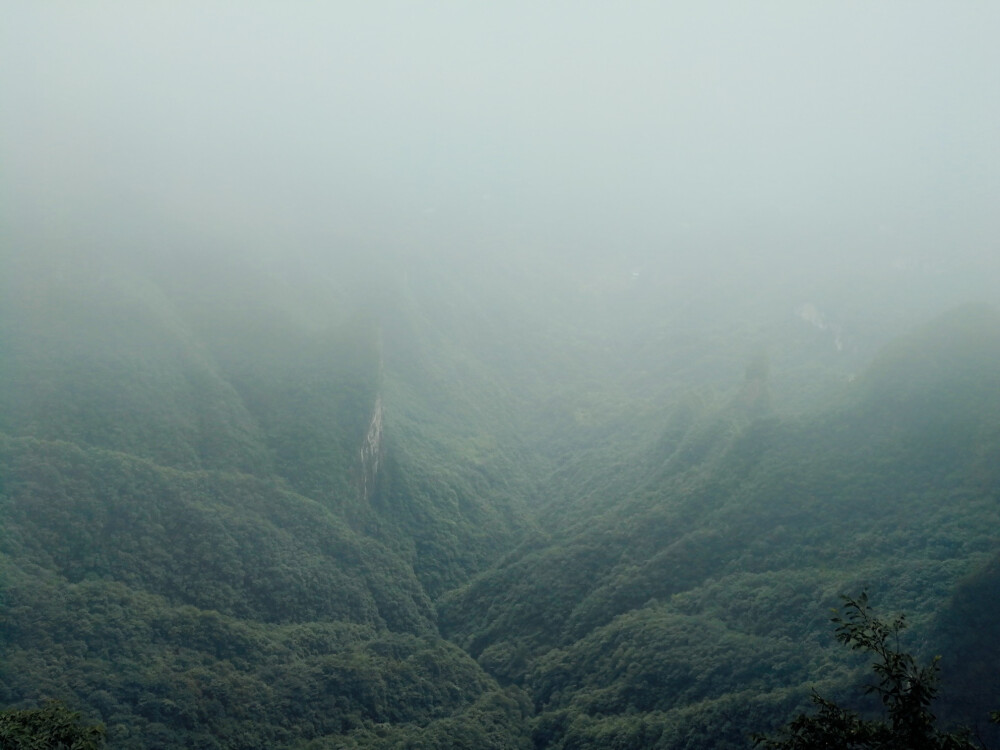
{"x": 826, "y": 137}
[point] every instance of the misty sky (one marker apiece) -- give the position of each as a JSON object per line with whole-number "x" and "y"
{"x": 818, "y": 129}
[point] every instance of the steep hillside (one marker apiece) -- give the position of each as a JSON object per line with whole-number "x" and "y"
{"x": 377, "y": 504}
{"x": 217, "y": 609}
{"x": 96, "y": 355}
{"x": 691, "y": 608}
{"x": 207, "y": 539}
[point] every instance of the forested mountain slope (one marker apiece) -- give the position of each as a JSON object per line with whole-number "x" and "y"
{"x": 372, "y": 504}
{"x": 205, "y": 540}
{"x": 692, "y": 608}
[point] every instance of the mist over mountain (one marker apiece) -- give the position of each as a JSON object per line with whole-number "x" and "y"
{"x": 224, "y": 489}
{"x": 525, "y": 377}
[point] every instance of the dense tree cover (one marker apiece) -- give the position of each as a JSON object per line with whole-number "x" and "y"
{"x": 748, "y": 538}
{"x": 264, "y": 627}
{"x": 227, "y": 542}
{"x": 580, "y": 535}
{"x": 192, "y": 578}
{"x": 52, "y": 727}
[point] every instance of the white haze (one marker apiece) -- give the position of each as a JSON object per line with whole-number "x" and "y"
{"x": 831, "y": 137}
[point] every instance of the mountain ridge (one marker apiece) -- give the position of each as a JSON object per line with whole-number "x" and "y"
{"x": 556, "y": 559}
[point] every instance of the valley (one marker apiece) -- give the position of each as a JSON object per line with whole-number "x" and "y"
{"x": 491, "y": 504}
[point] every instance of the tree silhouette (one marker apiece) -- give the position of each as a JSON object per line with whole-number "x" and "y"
{"x": 906, "y": 690}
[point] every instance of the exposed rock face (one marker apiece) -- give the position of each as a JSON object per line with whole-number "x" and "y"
{"x": 812, "y": 315}
{"x": 371, "y": 451}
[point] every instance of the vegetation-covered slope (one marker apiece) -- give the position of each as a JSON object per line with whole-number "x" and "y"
{"x": 714, "y": 573}
{"x": 402, "y": 505}
{"x": 189, "y": 549}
